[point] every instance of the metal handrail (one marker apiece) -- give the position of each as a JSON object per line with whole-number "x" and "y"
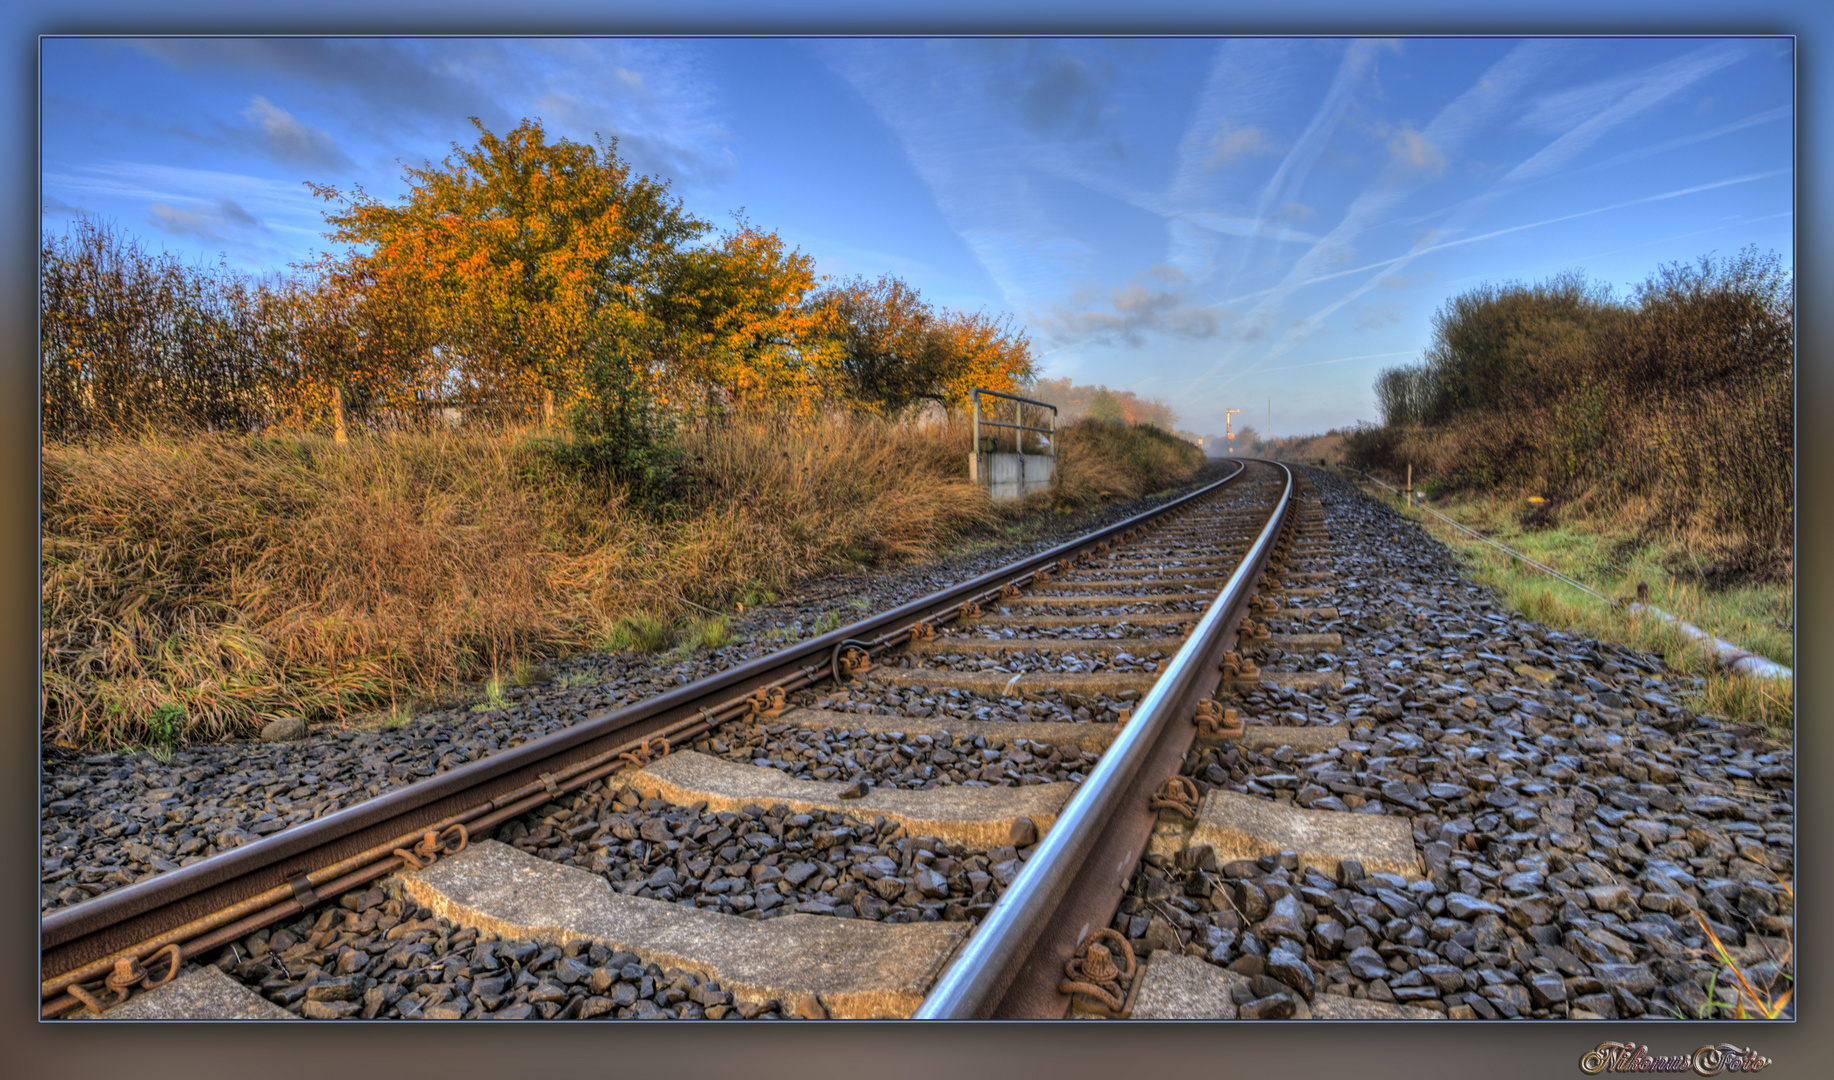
{"x": 974, "y": 396}
{"x": 986, "y": 965}
{"x": 978, "y": 391}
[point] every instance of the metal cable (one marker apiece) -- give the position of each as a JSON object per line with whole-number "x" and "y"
{"x": 1506, "y": 549}
{"x": 1761, "y": 666}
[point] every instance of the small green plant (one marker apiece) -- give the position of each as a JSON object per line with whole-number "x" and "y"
{"x": 860, "y": 603}
{"x": 493, "y": 697}
{"x": 714, "y": 632}
{"x": 829, "y": 621}
{"x": 785, "y": 633}
{"x": 574, "y": 679}
{"x": 166, "y": 725}
{"x": 639, "y": 633}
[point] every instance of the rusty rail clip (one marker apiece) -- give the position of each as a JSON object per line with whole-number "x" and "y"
{"x": 1179, "y": 795}
{"x": 1237, "y": 666}
{"x": 767, "y": 701}
{"x": 1011, "y": 590}
{"x": 923, "y": 631}
{"x": 970, "y": 609}
{"x": 1092, "y": 970}
{"x": 850, "y": 657}
{"x": 646, "y": 752}
{"x": 128, "y": 974}
{"x": 449, "y": 841}
{"x": 1214, "y": 722}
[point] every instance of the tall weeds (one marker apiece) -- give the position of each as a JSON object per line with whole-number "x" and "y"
{"x": 195, "y": 588}
{"x": 1096, "y": 459}
{"x": 237, "y": 579}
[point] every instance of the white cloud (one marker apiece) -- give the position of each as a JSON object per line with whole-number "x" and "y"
{"x": 1231, "y": 143}
{"x": 1603, "y": 106}
{"x": 211, "y": 222}
{"x": 288, "y": 141}
{"x": 1411, "y": 149}
{"x": 1153, "y": 303}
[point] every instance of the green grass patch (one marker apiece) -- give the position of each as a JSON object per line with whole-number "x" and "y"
{"x": 755, "y": 597}
{"x": 493, "y": 697}
{"x": 642, "y": 633}
{"x": 166, "y": 725}
{"x": 714, "y": 632}
{"x": 1756, "y": 616}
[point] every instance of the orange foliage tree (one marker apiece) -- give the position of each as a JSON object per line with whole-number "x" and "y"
{"x": 514, "y": 272}
{"x": 892, "y": 348}
{"x": 734, "y": 328}
{"x": 530, "y": 260}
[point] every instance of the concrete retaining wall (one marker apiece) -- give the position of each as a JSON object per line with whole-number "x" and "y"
{"x": 1010, "y": 477}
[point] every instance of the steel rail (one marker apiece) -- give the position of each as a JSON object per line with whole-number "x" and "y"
{"x": 984, "y": 969}
{"x": 290, "y": 871}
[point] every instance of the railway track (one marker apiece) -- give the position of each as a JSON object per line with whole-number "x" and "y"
{"x": 1028, "y": 795}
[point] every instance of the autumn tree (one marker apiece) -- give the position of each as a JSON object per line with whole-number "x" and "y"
{"x": 733, "y": 325}
{"x": 1496, "y": 339}
{"x": 886, "y": 354}
{"x": 981, "y": 350}
{"x": 532, "y": 261}
{"x": 894, "y": 349}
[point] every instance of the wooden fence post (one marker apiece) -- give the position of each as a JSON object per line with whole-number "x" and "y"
{"x": 337, "y": 409}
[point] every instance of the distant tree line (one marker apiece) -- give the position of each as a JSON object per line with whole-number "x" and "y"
{"x": 1110, "y": 406}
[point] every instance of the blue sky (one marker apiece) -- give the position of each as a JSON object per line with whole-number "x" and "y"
{"x": 1209, "y": 222}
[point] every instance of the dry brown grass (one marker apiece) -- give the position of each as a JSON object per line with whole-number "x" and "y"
{"x": 195, "y": 588}
{"x": 1097, "y": 461}
{"x": 232, "y": 580}
{"x": 1713, "y": 472}
{"x": 1308, "y": 449}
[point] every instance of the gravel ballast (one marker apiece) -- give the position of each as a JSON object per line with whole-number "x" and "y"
{"x": 1572, "y": 816}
